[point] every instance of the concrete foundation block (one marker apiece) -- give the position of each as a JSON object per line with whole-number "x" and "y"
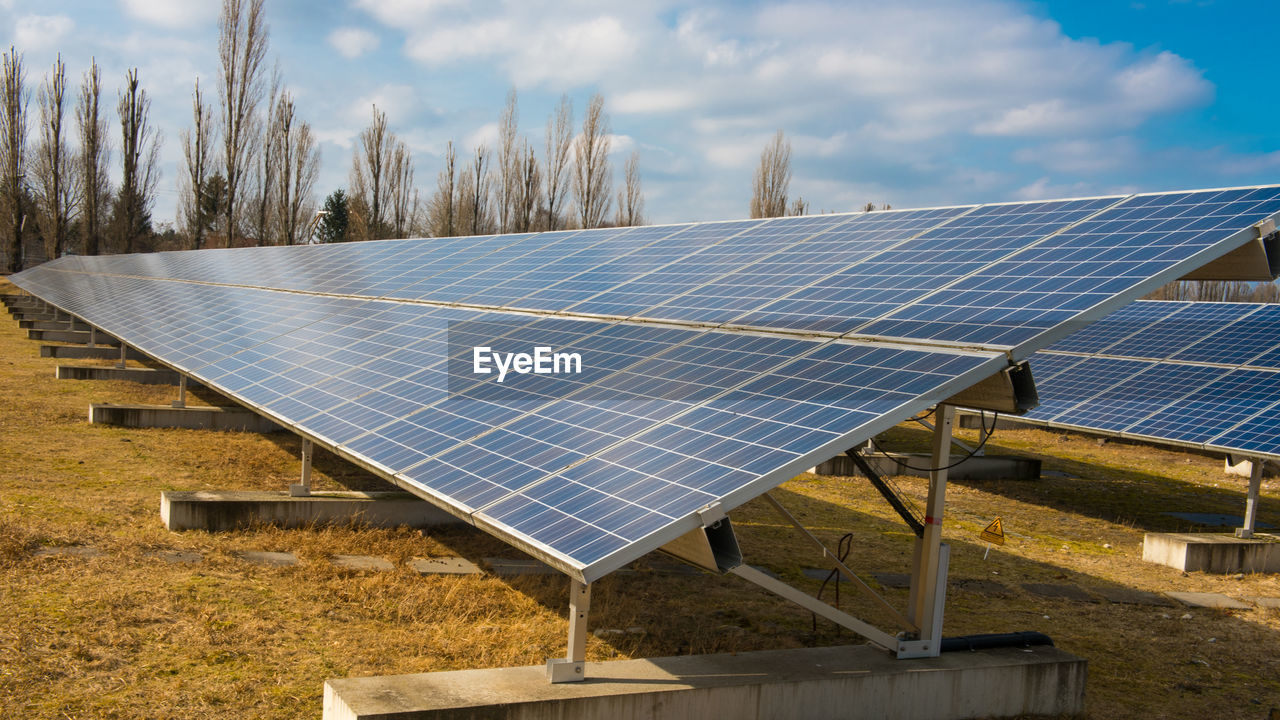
{"x": 972, "y": 421}
{"x": 75, "y": 352}
{"x": 364, "y": 563}
{"x": 269, "y": 558}
{"x": 195, "y": 418}
{"x": 53, "y": 325}
{"x": 1216, "y": 601}
{"x": 142, "y": 376}
{"x": 444, "y": 566}
{"x": 849, "y": 683}
{"x": 231, "y": 510}
{"x": 77, "y": 337}
{"x": 980, "y": 467}
{"x": 1213, "y": 552}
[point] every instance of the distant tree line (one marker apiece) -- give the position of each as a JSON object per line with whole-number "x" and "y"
{"x": 249, "y": 166}
{"x": 508, "y": 188}
{"x": 56, "y": 198}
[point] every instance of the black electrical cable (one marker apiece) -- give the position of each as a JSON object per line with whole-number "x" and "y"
{"x": 986, "y": 435}
{"x": 843, "y": 548}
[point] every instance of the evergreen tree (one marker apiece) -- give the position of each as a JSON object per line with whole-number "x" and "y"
{"x": 333, "y": 224}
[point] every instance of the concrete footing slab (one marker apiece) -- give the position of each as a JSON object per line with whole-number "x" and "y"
{"x": 78, "y": 337}
{"x": 143, "y": 376}
{"x": 53, "y": 325}
{"x": 1213, "y": 552}
{"x": 194, "y": 418}
{"x": 849, "y": 683}
{"x": 979, "y": 467}
{"x": 230, "y": 510}
{"x": 78, "y": 352}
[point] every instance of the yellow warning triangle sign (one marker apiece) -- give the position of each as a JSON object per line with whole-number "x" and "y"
{"x": 994, "y": 533}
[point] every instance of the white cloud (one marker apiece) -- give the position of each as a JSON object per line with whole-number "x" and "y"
{"x": 403, "y": 13}
{"x": 1082, "y": 155}
{"x": 172, "y": 13}
{"x": 353, "y": 42}
{"x": 398, "y": 101}
{"x": 1043, "y": 189}
{"x": 486, "y": 134}
{"x": 657, "y": 100}
{"x": 40, "y": 32}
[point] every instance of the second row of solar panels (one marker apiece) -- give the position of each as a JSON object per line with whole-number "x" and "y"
{"x": 1190, "y": 373}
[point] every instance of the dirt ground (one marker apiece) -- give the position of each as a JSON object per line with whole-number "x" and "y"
{"x": 124, "y": 628}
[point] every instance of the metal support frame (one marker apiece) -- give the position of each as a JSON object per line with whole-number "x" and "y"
{"x": 816, "y": 606}
{"x": 931, "y": 557}
{"x": 181, "y": 402}
{"x": 302, "y": 489}
{"x": 572, "y": 668}
{"x": 93, "y": 336}
{"x": 897, "y": 503}
{"x": 974, "y": 451}
{"x": 124, "y": 350}
{"x": 844, "y": 570}
{"x": 1251, "y": 503}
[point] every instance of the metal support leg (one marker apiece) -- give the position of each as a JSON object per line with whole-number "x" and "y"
{"x": 303, "y": 489}
{"x": 181, "y": 402}
{"x": 572, "y": 668}
{"x": 1251, "y": 504}
{"x": 928, "y": 572}
{"x": 124, "y": 349}
{"x": 93, "y": 336}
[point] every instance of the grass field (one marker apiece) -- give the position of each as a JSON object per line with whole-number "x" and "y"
{"x": 129, "y": 633}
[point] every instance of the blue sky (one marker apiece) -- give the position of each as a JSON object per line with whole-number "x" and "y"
{"x": 911, "y": 103}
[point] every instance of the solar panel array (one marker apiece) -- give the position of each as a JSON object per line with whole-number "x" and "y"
{"x": 720, "y": 359}
{"x": 1199, "y": 374}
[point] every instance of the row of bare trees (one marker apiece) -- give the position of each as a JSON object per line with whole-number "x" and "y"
{"x": 510, "y": 189}
{"x": 66, "y": 190}
{"x": 250, "y": 164}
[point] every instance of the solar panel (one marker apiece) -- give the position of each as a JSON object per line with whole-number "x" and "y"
{"x": 1199, "y": 374}
{"x": 720, "y": 358}
{"x": 1089, "y": 258}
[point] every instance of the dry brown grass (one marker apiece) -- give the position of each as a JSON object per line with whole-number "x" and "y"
{"x": 128, "y": 634}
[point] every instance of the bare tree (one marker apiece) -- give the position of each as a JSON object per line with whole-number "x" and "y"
{"x": 592, "y": 176}
{"x": 508, "y": 162}
{"x": 13, "y": 151}
{"x": 297, "y": 167}
{"x": 772, "y": 180}
{"x": 631, "y": 197}
{"x": 442, "y": 211}
{"x": 559, "y": 143}
{"x": 529, "y": 190}
{"x": 139, "y": 151}
{"x": 474, "y": 213}
{"x": 54, "y": 166}
{"x": 799, "y": 206}
{"x": 242, "y": 50}
{"x": 95, "y": 156}
{"x": 197, "y": 155}
{"x": 265, "y": 168}
{"x": 370, "y": 166}
{"x": 401, "y": 194}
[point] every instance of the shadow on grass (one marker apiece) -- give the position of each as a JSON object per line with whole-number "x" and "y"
{"x": 1115, "y": 494}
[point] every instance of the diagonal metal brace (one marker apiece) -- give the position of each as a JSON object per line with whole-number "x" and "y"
{"x": 913, "y": 522}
